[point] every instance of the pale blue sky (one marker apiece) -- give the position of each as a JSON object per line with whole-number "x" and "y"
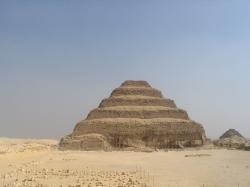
{"x": 58, "y": 59}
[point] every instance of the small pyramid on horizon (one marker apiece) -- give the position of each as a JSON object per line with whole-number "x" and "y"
{"x": 135, "y": 116}
{"x": 231, "y": 133}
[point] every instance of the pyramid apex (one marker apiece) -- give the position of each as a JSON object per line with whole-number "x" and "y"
{"x": 135, "y": 83}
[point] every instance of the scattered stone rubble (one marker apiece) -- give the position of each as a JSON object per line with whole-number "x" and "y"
{"x": 87, "y": 177}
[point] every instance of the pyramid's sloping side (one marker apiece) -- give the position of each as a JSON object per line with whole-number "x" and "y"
{"x": 135, "y": 115}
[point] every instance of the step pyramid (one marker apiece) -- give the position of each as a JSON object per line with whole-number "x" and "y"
{"x": 135, "y": 116}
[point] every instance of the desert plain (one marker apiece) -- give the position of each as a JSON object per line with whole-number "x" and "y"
{"x": 36, "y": 162}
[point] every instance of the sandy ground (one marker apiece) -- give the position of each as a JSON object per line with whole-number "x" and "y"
{"x": 27, "y": 162}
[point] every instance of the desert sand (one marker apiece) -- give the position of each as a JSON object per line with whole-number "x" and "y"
{"x": 28, "y": 162}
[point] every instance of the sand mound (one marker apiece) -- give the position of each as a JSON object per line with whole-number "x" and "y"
{"x": 8, "y": 145}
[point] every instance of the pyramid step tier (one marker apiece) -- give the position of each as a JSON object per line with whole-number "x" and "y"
{"x": 138, "y": 112}
{"x": 143, "y": 91}
{"x": 137, "y": 101}
{"x": 141, "y": 127}
{"x": 131, "y": 83}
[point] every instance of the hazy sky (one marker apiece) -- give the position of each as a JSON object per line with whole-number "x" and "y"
{"x": 58, "y": 59}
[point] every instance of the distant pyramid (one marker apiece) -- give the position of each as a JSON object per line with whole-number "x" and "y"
{"x": 135, "y": 116}
{"x": 232, "y": 139}
{"x": 231, "y": 133}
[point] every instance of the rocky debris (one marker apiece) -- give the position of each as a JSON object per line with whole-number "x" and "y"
{"x": 232, "y": 139}
{"x": 247, "y": 145}
{"x": 87, "y": 142}
{"x": 135, "y": 117}
{"x": 43, "y": 177}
